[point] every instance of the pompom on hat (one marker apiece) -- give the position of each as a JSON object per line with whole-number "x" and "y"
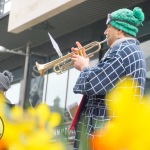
{"x": 126, "y": 20}
{"x": 5, "y": 79}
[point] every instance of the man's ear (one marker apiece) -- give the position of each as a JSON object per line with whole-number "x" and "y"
{"x": 120, "y": 33}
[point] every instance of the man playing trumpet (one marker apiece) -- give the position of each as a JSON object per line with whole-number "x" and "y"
{"x": 123, "y": 59}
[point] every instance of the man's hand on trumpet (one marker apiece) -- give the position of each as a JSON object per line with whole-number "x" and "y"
{"x": 79, "y": 57}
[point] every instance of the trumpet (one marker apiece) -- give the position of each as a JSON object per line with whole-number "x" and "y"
{"x": 64, "y": 63}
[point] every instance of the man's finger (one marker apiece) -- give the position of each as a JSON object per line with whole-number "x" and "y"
{"x": 84, "y": 52}
{"x": 78, "y": 45}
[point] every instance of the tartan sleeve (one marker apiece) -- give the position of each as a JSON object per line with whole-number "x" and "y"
{"x": 100, "y": 79}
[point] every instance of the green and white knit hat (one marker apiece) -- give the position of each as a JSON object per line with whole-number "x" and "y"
{"x": 5, "y": 79}
{"x": 126, "y": 20}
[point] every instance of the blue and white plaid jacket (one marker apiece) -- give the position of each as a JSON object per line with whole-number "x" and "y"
{"x": 123, "y": 59}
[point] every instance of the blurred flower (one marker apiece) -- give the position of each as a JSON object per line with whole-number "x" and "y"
{"x": 2, "y": 145}
{"x": 30, "y": 129}
{"x": 129, "y": 128}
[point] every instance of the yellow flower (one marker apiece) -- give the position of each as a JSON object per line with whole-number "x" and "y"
{"x": 31, "y": 129}
{"x": 130, "y": 127}
{"x": 54, "y": 120}
{"x": 16, "y": 113}
{"x": 3, "y": 145}
{"x": 38, "y": 140}
{"x": 43, "y": 112}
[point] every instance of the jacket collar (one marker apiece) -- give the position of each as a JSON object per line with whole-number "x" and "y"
{"x": 125, "y": 39}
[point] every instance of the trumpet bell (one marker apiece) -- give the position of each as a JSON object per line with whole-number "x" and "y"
{"x": 40, "y": 68}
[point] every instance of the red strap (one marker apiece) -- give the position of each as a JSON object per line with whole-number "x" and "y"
{"x": 74, "y": 121}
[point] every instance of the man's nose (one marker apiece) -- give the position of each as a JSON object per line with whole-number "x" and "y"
{"x": 105, "y": 32}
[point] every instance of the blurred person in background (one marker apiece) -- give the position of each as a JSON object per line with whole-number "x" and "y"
{"x": 5, "y": 80}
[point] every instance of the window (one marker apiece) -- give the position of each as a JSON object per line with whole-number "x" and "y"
{"x": 13, "y": 93}
{"x": 71, "y": 96}
{"x": 145, "y": 48}
{"x": 55, "y": 92}
{"x": 5, "y": 6}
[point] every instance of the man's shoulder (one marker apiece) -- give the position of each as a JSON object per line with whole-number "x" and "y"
{"x": 127, "y": 46}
